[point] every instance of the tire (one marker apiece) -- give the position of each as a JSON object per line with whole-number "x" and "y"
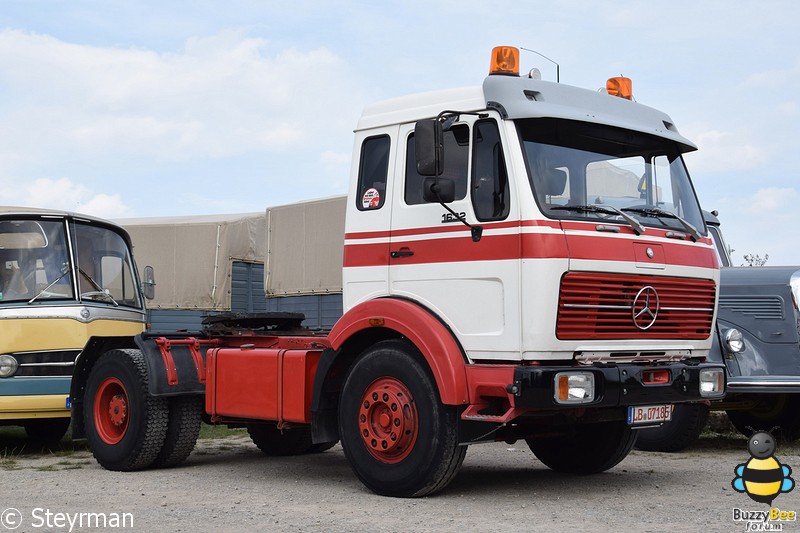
{"x": 688, "y": 421}
{"x": 47, "y": 431}
{"x": 125, "y": 426}
{"x": 778, "y": 414}
{"x": 183, "y": 427}
{"x": 322, "y": 447}
{"x": 405, "y": 456}
{"x": 275, "y": 442}
{"x": 586, "y": 448}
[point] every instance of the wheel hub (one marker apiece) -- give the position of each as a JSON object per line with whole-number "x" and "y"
{"x": 387, "y": 420}
{"x": 118, "y": 410}
{"x": 110, "y": 409}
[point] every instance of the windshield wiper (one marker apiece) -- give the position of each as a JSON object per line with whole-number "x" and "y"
{"x": 99, "y": 291}
{"x": 59, "y": 278}
{"x": 607, "y": 209}
{"x": 658, "y": 212}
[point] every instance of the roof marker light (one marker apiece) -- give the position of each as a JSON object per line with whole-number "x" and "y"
{"x": 620, "y": 86}
{"x": 505, "y": 61}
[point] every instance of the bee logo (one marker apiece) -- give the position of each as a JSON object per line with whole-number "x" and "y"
{"x": 762, "y": 477}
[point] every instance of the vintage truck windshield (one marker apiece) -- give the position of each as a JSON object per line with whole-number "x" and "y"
{"x": 585, "y": 171}
{"x": 37, "y": 265}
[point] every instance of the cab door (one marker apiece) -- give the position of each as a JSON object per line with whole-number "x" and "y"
{"x": 471, "y": 285}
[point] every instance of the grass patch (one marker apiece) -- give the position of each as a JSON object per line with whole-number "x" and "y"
{"x": 220, "y": 432}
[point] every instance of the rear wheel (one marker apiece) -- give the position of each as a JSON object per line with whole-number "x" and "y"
{"x": 585, "y": 448}
{"x": 688, "y": 421}
{"x": 183, "y": 427}
{"x": 778, "y": 414}
{"x": 47, "y": 431}
{"x": 125, "y": 426}
{"x": 273, "y": 441}
{"x": 399, "y": 439}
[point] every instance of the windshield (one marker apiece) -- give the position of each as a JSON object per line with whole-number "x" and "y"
{"x": 589, "y": 171}
{"x": 34, "y": 260}
{"x": 104, "y": 267}
{"x": 36, "y": 266}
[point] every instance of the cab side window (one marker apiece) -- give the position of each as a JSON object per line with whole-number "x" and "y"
{"x": 372, "y": 173}
{"x": 456, "y": 159}
{"x": 490, "y": 194}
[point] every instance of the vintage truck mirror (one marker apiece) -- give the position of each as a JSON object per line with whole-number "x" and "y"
{"x": 429, "y": 147}
{"x": 440, "y": 190}
{"x": 149, "y": 283}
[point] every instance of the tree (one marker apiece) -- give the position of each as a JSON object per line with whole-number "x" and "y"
{"x": 755, "y": 260}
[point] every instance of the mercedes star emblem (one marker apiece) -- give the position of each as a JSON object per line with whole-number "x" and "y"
{"x": 645, "y": 308}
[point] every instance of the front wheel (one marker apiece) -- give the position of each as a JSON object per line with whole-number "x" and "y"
{"x": 47, "y": 431}
{"x": 398, "y": 437}
{"x": 585, "y": 448}
{"x": 125, "y": 426}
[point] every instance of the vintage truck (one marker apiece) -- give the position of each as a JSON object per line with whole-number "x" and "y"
{"x": 758, "y": 338}
{"x": 523, "y": 260}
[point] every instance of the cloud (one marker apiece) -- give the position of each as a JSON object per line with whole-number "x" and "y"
{"x": 773, "y": 199}
{"x": 65, "y": 195}
{"x": 723, "y": 151}
{"x": 220, "y": 96}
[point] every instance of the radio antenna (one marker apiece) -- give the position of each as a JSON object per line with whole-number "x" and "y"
{"x": 558, "y": 68}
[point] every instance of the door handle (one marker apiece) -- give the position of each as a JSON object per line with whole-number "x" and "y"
{"x": 402, "y": 252}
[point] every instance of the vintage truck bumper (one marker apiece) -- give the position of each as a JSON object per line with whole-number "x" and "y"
{"x": 616, "y": 385}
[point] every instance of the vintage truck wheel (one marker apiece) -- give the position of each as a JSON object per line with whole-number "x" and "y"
{"x": 777, "y": 413}
{"x": 585, "y": 448}
{"x": 125, "y": 426}
{"x": 688, "y": 421}
{"x": 183, "y": 427}
{"x": 399, "y": 438}
{"x": 47, "y": 431}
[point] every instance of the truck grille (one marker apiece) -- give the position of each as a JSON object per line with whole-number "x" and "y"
{"x": 51, "y": 363}
{"x": 764, "y": 307}
{"x": 601, "y": 306}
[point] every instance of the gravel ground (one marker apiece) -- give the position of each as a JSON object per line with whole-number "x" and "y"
{"x": 227, "y": 485}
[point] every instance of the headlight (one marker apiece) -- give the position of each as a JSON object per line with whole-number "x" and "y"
{"x": 8, "y": 365}
{"x": 734, "y": 340}
{"x": 712, "y": 382}
{"x": 574, "y": 387}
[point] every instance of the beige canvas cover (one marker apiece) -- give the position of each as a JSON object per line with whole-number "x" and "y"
{"x": 305, "y": 248}
{"x": 301, "y": 246}
{"x": 193, "y": 256}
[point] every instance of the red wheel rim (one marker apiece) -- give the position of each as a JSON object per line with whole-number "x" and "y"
{"x": 387, "y": 420}
{"x": 111, "y": 413}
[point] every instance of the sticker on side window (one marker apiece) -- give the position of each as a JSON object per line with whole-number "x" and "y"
{"x": 371, "y": 199}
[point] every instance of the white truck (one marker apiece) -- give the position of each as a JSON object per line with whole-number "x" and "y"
{"x": 522, "y": 260}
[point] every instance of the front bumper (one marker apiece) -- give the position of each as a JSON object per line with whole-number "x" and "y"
{"x": 615, "y": 385}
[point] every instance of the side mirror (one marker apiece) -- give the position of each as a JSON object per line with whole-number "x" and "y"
{"x": 149, "y": 283}
{"x": 439, "y": 190}
{"x": 429, "y": 147}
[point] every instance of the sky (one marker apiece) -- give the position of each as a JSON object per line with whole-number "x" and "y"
{"x": 140, "y": 109}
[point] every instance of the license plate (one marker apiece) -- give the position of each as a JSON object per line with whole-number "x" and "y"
{"x": 649, "y": 414}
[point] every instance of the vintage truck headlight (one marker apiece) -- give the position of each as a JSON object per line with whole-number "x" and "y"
{"x": 574, "y": 387}
{"x": 8, "y": 365}
{"x": 734, "y": 340}
{"x": 712, "y": 382}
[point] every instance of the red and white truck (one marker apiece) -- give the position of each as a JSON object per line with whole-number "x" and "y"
{"x": 522, "y": 260}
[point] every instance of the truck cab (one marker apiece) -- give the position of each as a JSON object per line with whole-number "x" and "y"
{"x": 63, "y": 279}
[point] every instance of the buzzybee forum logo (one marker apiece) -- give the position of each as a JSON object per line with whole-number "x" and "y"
{"x": 763, "y": 477}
